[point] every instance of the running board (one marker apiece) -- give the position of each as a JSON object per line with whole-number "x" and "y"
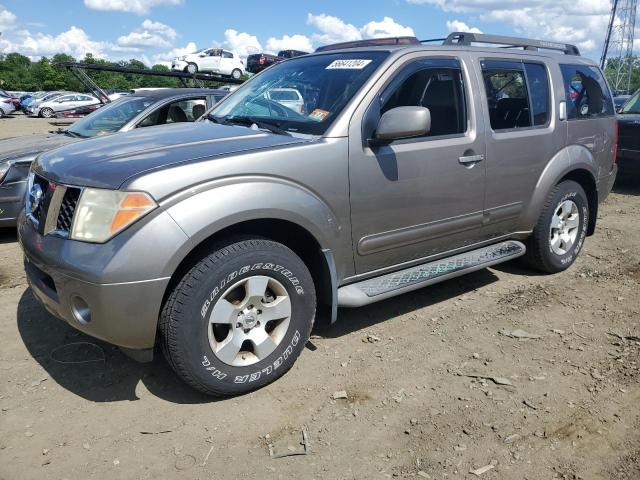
{"x": 392, "y": 284}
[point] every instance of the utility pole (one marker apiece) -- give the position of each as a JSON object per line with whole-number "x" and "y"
{"x": 618, "y": 44}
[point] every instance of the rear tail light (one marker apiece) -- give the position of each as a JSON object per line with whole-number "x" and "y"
{"x": 261, "y": 61}
{"x": 615, "y": 145}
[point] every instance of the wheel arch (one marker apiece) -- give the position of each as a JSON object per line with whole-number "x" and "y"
{"x": 574, "y": 162}
{"x": 300, "y": 240}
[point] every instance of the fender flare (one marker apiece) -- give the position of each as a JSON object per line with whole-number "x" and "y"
{"x": 569, "y": 159}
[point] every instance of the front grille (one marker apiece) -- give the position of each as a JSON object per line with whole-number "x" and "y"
{"x": 40, "y": 212}
{"x": 67, "y": 209}
{"x": 51, "y": 206}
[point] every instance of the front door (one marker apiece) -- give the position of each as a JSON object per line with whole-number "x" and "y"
{"x": 211, "y": 62}
{"x": 418, "y": 197}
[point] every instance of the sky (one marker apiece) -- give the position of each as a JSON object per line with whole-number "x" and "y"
{"x": 156, "y": 31}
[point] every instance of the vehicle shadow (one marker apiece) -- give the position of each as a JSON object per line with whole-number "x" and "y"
{"x": 8, "y": 235}
{"x": 90, "y": 368}
{"x": 100, "y": 372}
{"x": 353, "y": 319}
{"x": 627, "y": 184}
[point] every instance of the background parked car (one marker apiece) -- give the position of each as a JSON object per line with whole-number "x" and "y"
{"x": 214, "y": 60}
{"x": 258, "y": 62}
{"x": 143, "y": 109}
{"x": 48, "y": 109}
{"x": 6, "y": 106}
{"x": 288, "y": 97}
{"x": 629, "y": 136}
{"x": 620, "y": 100}
{"x": 31, "y": 104}
{"x": 6, "y": 97}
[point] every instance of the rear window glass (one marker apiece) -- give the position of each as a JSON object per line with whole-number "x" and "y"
{"x": 587, "y": 92}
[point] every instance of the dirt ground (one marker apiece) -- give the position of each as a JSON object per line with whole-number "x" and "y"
{"x": 75, "y": 408}
{"x": 19, "y": 125}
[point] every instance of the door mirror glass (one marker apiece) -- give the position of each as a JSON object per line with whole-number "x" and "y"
{"x": 403, "y": 122}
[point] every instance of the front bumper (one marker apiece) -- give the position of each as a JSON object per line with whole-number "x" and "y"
{"x": 11, "y": 202}
{"x": 179, "y": 65}
{"x": 629, "y": 161}
{"x": 77, "y": 281}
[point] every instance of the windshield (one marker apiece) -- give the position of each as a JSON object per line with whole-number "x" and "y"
{"x": 632, "y": 105}
{"x": 326, "y": 83}
{"x": 110, "y": 118}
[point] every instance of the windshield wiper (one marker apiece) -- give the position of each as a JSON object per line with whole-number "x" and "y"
{"x": 248, "y": 122}
{"x": 69, "y": 133}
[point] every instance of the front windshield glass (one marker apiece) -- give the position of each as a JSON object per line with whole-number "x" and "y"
{"x": 326, "y": 83}
{"x": 632, "y": 105}
{"x": 111, "y": 117}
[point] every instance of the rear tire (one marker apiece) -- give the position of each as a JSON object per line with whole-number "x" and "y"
{"x": 561, "y": 230}
{"x": 236, "y": 74}
{"x": 239, "y": 318}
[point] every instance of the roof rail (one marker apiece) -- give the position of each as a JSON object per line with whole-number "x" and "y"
{"x": 466, "y": 38}
{"x": 372, "y": 42}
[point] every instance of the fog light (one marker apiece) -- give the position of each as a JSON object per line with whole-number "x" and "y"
{"x": 80, "y": 309}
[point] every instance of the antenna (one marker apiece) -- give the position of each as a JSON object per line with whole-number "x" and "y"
{"x": 618, "y": 45}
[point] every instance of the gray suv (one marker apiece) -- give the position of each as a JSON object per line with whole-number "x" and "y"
{"x": 410, "y": 164}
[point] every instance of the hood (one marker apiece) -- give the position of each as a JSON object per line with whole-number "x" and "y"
{"x": 32, "y": 145}
{"x": 108, "y": 162}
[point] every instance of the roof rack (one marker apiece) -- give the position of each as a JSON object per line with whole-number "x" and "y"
{"x": 466, "y": 38}
{"x": 372, "y": 42}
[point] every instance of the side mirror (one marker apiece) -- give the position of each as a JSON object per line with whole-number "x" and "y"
{"x": 402, "y": 122}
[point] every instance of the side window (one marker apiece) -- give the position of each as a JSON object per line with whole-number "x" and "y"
{"x": 587, "y": 92}
{"x": 539, "y": 90}
{"x": 438, "y": 88}
{"x": 176, "y": 112}
{"x": 506, "y": 87}
{"x": 227, "y": 54}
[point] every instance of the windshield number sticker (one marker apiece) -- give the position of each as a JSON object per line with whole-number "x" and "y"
{"x": 348, "y": 64}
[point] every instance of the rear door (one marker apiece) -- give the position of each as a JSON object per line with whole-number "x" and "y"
{"x": 523, "y": 135}
{"x": 417, "y": 197}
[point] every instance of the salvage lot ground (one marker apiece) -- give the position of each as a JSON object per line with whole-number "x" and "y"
{"x": 412, "y": 407}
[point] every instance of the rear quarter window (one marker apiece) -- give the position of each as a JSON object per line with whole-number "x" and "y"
{"x": 587, "y": 92}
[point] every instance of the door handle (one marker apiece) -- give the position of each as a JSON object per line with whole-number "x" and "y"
{"x": 470, "y": 159}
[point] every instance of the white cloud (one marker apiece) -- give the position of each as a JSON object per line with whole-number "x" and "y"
{"x": 332, "y": 29}
{"x": 459, "y": 26}
{"x": 557, "y": 20}
{"x": 286, "y": 42}
{"x": 74, "y": 41}
{"x": 141, "y": 7}
{"x": 150, "y": 34}
{"x": 388, "y": 27}
{"x": 165, "y": 58}
{"x": 242, "y": 43}
{"x": 7, "y": 19}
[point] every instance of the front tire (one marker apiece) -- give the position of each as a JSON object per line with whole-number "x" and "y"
{"x": 192, "y": 68}
{"x": 561, "y": 230}
{"x": 46, "y": 113}
{"x": 239, "y": 318}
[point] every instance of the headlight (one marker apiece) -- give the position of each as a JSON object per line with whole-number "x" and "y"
{"x": 101, "y": 214}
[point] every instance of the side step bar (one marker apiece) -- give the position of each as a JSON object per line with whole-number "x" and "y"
{"x": 392, "y": 284}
